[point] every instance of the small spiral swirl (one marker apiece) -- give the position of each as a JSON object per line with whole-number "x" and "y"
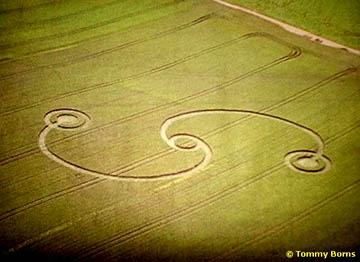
{"x": 197, "y": 142}
{"x": 66, "y": 119}
{"x": 307, "y": 161}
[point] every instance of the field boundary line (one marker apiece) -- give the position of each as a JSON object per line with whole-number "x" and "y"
{"x": 291, "y": 29}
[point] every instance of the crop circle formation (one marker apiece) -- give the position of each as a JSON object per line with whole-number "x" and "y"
{"x": 301, "y": 161}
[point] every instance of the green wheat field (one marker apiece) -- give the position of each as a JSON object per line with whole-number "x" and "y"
{"x": 173, "y": 130}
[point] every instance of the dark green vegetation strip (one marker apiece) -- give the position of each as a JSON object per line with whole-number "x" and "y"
{"x": 336, "y": 20}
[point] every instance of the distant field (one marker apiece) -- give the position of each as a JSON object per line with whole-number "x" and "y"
{"x": 29, "y": 27}
{"x": 337, "y": 21}
{"x": 172, "y": 130}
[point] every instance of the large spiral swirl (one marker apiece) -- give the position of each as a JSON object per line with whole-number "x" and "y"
{"x": 71, "y": 120}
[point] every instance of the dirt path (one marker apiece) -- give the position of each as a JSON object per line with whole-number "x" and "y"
{"x": 292, "y": 29}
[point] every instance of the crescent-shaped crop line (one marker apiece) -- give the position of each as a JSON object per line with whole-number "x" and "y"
{"x": 303, "y": 161}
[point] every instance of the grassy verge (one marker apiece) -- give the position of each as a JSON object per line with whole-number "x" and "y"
{"x": 337, "y": 21}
